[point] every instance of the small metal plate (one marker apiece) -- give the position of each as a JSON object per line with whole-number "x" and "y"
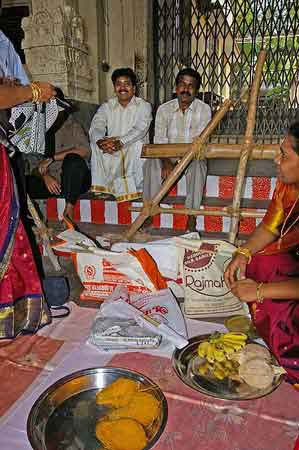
{"x": 182, "y": 362}
{"x": 64, "y": 417}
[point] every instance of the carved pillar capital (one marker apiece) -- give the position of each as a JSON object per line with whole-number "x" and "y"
{"x": 56, "y": 49}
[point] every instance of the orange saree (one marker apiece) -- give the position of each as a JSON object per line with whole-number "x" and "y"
{"x": 280, "y": 218}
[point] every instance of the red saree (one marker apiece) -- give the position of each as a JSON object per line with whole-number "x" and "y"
{"x": 22, "y": 305}
{"x": 277, "y": 321}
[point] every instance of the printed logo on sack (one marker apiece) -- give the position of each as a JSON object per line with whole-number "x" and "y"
{"x": 89, "y": 271}
{"x": 200, "y": 258}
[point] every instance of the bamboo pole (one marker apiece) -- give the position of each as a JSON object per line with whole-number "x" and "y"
{"x": 44, "y": 233}
{"x": 225, "y": 211}
{"x": 213, "y": 151}
{"x": 197, "y": 148}
{"x": 247, "y": 145}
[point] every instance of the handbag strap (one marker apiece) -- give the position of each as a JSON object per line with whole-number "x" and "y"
{"x": 66, "y": 312}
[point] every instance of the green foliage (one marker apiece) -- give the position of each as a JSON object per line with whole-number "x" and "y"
{"x": 275, "y": 30}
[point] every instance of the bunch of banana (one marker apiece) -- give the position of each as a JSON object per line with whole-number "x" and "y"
{"x": 218, "y": 352}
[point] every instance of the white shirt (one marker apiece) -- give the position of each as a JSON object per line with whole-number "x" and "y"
{"x": 174, "y": 126}
{"x": 129, "y": 124}
{"x": 10, "y": 63}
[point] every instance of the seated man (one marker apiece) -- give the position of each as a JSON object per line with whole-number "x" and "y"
{"x": 269, "y": 280}
{"x": 117, "y": 133}
{"x": 66, "y": 174}
{"x": 180, "y": 121}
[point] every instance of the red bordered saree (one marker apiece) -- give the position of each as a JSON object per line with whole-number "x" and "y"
{"x": 22, "y": 305}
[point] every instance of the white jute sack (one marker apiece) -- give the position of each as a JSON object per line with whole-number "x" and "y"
{"x": 202, "y": 264}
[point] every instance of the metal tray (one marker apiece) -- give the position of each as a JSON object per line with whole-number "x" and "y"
{"x": 65, "y": 415}
{"x": 182, "y": 362}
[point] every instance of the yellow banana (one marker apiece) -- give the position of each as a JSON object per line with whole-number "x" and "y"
{"x": 219, "y": 354}
{"x": 234, "y": 337}
{"x": 228, "y": 348}
{"x": 203, "y": 368}
{"x": 203, "y": 348}
{"x": 219, "y": 373}
{"x": 211, "y": 353}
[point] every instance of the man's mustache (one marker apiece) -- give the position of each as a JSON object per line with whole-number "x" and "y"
{"x": 185, "y": 93}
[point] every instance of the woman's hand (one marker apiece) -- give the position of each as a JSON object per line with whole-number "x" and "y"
{"x": 52, "y": 184}
{"x": 237, "y": 264}
{"x": 44, "y": 165}
{"x": 47, "y": 91}
{"x": 245, "y": 290}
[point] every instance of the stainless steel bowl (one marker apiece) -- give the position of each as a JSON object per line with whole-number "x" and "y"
{"x": 65, "y": 415}
{"x": 184, "y": 362}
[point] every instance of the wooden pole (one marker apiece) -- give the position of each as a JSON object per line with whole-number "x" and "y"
{"x": 213, "y": 151}
{"x": 44, "y": 233}
{"x": 197, "y": 148}
{"x": 247, "y": 145}
{"x": 220, "y": 211}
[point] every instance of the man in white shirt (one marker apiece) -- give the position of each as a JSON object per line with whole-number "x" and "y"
{"x": 117, "y": 133}
{"x": 180, "y": 121}
{"x": 10, "y": 63}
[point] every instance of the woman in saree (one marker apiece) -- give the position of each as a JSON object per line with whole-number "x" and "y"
{"x": 264, "y": 272}
{"x": 22, "y": 305}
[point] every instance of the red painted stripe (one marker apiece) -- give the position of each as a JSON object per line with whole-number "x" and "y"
{"x": 77, "y": 215}
{"x": 124, "y": 215}
{"x": 213, "y": 223}
{"x": 157, "y": 221}
{"x": 179, "y": 220}
{"x": 226, "y": 187}
{"x": 52, "y": 212}
{"x": 97, "y": 208}
{"x": 173, "y": 191}
{"x": 261, "y": 188}
{"x": 247, "y": 225}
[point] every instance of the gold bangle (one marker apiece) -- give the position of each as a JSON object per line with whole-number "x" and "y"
{"x": 36, "y": 92}
{"x": 259, "y": 297}
{"x": 244, "y": 251}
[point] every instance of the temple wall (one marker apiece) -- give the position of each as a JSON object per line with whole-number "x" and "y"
{"x": 76, "y": 44}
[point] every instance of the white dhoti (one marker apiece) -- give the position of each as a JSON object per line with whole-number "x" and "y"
{"x": 119, "y": 174}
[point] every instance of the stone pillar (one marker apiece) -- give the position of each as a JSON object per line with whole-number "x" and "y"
{"x": 128, "y": 40}
{"x": 55, "y": 47}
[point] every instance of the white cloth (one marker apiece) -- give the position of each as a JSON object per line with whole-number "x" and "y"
{"x": 37, "y": 118}
{"x": 120, "y": 174}
{"x": 10, "y": 63}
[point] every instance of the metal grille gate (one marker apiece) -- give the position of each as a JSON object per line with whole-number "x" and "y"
{"x": 221, "y": 39}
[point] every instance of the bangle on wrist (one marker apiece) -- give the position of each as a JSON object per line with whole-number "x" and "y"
{"x": 259, "y": 297}
{"x": 245, "y": 252}
{"x": 36, "y": 92}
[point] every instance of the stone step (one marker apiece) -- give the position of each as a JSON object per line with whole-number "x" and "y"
{"x": 218, "y": 193}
